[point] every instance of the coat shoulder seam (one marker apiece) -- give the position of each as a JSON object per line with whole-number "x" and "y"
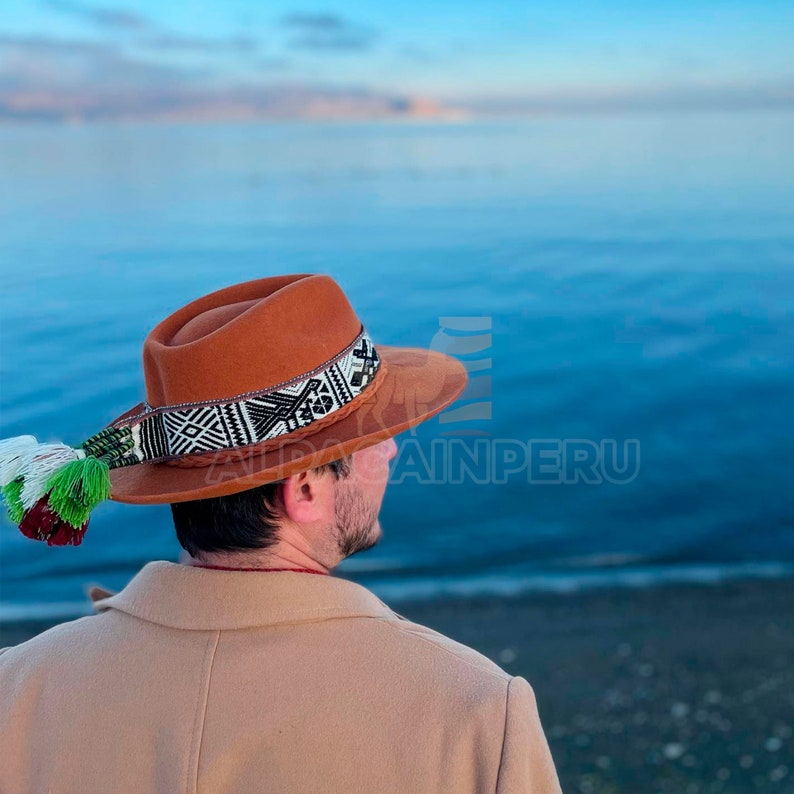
{"x": 504, "y": 737}
{"x": 201, "y": 714}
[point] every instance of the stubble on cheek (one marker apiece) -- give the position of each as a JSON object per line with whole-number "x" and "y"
{"x": 357, "y": 527}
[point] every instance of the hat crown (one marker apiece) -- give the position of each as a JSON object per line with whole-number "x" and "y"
{"x": 247, "y": 337}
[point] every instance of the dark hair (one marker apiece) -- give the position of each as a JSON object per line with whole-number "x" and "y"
{"x": 240, "y": 521}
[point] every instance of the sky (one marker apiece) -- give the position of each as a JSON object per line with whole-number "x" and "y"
{"x": 79, "y": 60}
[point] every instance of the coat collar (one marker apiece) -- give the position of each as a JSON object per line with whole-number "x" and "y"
{"x": 184, "y": 597}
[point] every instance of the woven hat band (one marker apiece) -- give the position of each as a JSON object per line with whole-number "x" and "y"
{"x": 294, "y": 407}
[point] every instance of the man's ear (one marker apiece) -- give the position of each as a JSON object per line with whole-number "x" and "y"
{"x": 307, "y": 497}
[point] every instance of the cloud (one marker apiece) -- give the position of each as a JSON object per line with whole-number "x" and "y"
{"x": 630, "y": 98}
{"x": 350, "y": 42}
{"x": 43, "y": 45}
{"x": 149, "y": 35}
{"x": 102, "y": 16}
{"x": 315, "y": 22}
{"x": 177, "y": 42}
{"x": 45, "y": 79}
{"x": 57, "y": 79}
{"x": 82, "y": 72}
{"x": 329, "y": 32}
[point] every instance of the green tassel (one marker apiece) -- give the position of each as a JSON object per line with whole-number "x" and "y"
{"x": 77, "y": 488}
{"x": 12, "y": 496}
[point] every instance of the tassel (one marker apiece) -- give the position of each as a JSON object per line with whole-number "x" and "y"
{"x": 14, "y": 452}
{"x": 12, "y": 496}
{"x": 51, "y": 489}
{"x": 77, "y": 488}
{"x": 37, "y": 470}
{"x": 42, "y": 523}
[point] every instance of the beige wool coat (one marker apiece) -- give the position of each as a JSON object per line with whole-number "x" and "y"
{"x": 197, "y": 680}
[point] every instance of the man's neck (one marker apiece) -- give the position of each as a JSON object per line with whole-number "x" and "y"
{"x": 258, "y": 559}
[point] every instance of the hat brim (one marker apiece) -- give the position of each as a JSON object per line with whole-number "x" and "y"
{"x": 416, "y": 385}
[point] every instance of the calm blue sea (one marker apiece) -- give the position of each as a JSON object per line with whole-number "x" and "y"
{"x": 605, "y": 278}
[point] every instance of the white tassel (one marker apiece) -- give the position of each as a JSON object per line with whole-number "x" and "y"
{"x": 37, "y": 470}
{"x": 14, "y": 452}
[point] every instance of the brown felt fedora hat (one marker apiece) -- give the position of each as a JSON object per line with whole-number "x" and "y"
{"x": 260, "y": 380}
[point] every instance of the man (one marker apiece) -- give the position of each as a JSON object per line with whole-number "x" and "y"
{"x": 268, "y": 427}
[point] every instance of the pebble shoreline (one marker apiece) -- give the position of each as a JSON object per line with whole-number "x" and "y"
{"x": 678, "y": 689}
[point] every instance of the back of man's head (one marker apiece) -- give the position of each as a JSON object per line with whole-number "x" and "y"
{"x": 242, "y": 521}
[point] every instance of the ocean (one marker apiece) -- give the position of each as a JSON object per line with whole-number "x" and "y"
{"x": 621, "y": 288}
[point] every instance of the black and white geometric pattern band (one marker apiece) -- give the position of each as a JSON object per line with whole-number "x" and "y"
{"x": 191, "y": 428}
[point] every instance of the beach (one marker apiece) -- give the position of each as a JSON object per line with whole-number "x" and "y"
{"x": 674, "y": 688}
{"x": 677, "y": 688}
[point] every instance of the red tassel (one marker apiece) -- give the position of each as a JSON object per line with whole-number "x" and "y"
{"x": 42, "y": 523}
{"x": 37, "y": 522}
{"x": 67, "y": 535}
